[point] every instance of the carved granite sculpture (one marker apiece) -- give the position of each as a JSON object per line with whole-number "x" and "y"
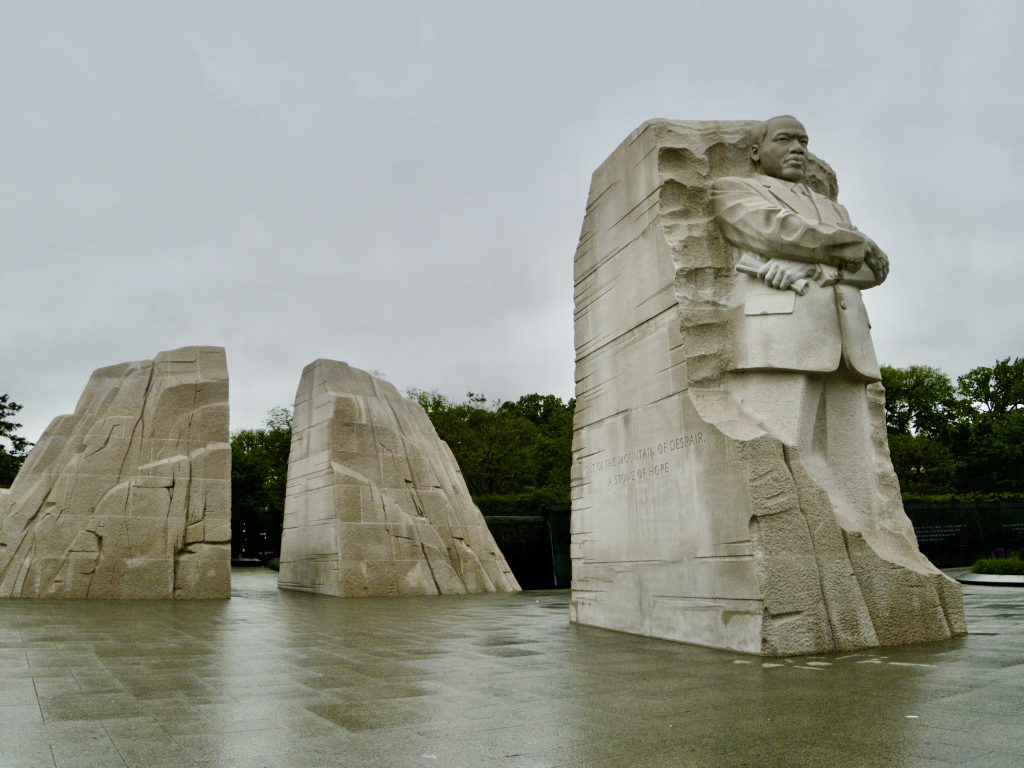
{"x": 376, "y": 504}
{"x": 732, "y": 480}
{"x": 129, "y": 496}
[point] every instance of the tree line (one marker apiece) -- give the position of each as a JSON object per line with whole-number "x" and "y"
{"x": 13, "y": 447}
{"x": 514, "y": 456}
{"x": 945, "y": 437}
{"x": 962, "y": 438}
{"x": 259, "y": 476}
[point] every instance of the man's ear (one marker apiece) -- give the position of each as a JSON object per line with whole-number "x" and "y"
{"x": 755, "y": 153}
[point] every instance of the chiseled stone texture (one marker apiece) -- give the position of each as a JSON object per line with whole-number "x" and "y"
{"x": 129, "y": 496}
{"x": 691, "y": 522}
{"x": 376, "y": 504}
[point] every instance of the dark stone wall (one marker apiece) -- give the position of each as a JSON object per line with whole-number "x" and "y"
{"x": 536, "y": 547}
{"x": 950, "y": 534}
{"x": 955, "y": 534}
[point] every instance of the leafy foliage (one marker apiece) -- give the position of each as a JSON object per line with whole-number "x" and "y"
{"x": 259, "y": 474}
{"x": 944, "y": 438}
{"x": 991, "y": 441}
{"x": 530, "y": 502}
{"x": 1003, "y": 566}
{"x": 919, "y": 401}
{"x": 514, "y": 456}
{"x": 995, "y": 390}
{"x": 13, "y": 447}
{"x": 923, "y": 464}
{"x": 506, "y": 448}
{"x": 963, "y": 438}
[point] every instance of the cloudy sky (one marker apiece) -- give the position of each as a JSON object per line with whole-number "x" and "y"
{"x": 400, "y": 185}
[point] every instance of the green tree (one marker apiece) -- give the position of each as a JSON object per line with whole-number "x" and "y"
{"x": 995, "y": 390}
{"x": 492, "y": 447}
{"x": 553, "y": 444}
{"x": 921, "y": 412}
{"x": 511, "y": 450}
{"x": 924, "y": 465}
{"x": 259, "y": 475}
{"x": 919, "y": 400}
{"x": 13, "y": 447}
{"x": 990, "y": 444}
{"x": 509, "y": 447}
{"x": 967, "y": 438}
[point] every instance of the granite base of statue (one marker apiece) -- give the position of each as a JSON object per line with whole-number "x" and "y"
{"x": 732, "y": 485}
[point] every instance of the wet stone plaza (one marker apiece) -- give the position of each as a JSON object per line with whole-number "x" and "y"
{"x": 275, "y": 678}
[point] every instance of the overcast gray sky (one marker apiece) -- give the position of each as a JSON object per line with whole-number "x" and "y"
{"x": 401, "y": 185}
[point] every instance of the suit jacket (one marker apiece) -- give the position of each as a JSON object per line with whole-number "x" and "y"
{"x": 765, "y": 218}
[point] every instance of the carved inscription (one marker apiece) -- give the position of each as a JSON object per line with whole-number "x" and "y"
{"x": 636, "y": 464}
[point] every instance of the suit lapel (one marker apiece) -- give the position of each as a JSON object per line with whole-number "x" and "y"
{"x": 781, "y": 191}
{"x": 822, "y": 209}
{"x": 831, "y": 213}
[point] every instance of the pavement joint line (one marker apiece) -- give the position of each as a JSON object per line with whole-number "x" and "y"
{"x": 188, "y": 675}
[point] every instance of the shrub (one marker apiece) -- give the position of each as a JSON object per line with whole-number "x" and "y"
{"x": 1000, "y": 566}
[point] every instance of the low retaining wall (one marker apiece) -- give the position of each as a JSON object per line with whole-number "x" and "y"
{"x": 958, "y": 533}
{"x": 536, "y": 547}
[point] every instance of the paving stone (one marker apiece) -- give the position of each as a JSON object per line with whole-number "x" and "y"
{"x": 588, "y": 699}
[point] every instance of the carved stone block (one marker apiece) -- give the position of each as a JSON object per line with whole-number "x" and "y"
{"x": 716, "y": 501}
{"x": 376, "y": 505}
{"x": 129, "y": 496}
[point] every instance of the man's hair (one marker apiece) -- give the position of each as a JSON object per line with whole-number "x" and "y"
{"x": 760, "y": 132}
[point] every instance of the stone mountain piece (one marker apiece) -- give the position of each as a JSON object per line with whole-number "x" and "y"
{"x": 129, "y": 496}
{"x": 376, "y": 504}
{"x": 732, "y": 485}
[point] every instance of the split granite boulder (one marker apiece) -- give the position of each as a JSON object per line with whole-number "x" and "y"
{"x": 376, "y": 504}
{"x": 129, "y": 496}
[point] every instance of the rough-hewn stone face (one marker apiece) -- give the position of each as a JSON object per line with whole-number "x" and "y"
{"x": 695, "y": 517}
{"x": 376, "y": 503}
{"x": 129, "y": 496}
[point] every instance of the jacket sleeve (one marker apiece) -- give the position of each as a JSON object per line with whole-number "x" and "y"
{"x": 753, "y": 222}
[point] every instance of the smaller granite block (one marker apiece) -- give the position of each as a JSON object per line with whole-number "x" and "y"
{"x": 376, "y": 504}
{"x": 129, "y": 496}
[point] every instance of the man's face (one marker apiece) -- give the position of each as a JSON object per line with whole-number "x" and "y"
{"x": 783, "y": 154}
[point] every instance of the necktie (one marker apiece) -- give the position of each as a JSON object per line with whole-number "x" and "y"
{"x": 804, "y": 190}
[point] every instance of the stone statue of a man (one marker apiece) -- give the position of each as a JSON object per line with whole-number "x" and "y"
{"x": 793, "y": 238}
{"x": 731, "y": 479}
{"x": 803, "y": 355}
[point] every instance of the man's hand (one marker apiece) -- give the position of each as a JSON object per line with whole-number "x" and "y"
{"x": 878, "y": 263}
{"x": 782, "y": 273}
